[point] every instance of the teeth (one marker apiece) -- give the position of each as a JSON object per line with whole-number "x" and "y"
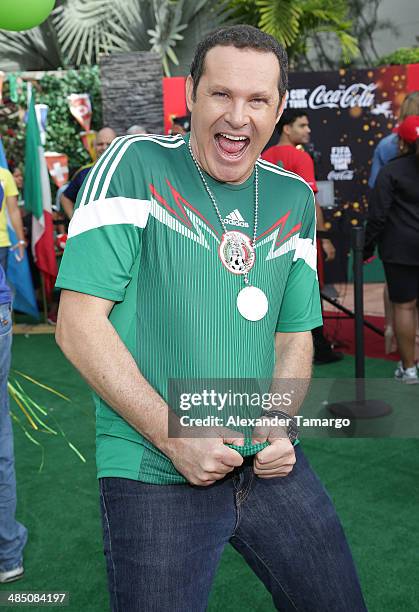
{"x": 230, "y": 137}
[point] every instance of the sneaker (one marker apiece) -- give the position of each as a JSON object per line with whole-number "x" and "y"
{"x": 408, "y": 375}
{"x": 52, "y": 318}
{"x": 12, "y": 575}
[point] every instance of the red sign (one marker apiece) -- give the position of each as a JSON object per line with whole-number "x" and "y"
{"x": 88, "y": 139}
{"x": 57, "y": 164}
{"x": 81, "y": 109}
{"x": 174, "y": 101}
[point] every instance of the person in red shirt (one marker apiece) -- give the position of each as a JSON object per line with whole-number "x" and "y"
{"x": 294, "y": 131}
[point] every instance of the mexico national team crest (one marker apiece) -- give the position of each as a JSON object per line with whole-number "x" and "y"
{"x": 236, "y": 252}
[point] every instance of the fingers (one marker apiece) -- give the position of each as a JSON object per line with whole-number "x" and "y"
{"x": 274, "y": 469}
{"x": 207, "y": 478}
{"x": 280, "y": 448}
{"x": 260, "y": 435}
{"x": 278, "y": 459}
{"x": 217, "y": 467}
{"x": 230, "y": 458}
{"x": 274, "y": 473}
{"x": 231, "y": 437}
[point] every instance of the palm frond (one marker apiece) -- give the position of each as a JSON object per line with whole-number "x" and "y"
{"x": 348, "y": 43}
{"x": 87, "y": 29}
{"x": 35, "y": 49}
{"x": 280, "y": 18}
{"x": 167, "y": 31}
{"x": 79, "y": 32}
{"x": 202, "y": 18}
{"x": 330, "y": 16}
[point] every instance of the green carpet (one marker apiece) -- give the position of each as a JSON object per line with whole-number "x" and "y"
{"x": 374, "y": 484}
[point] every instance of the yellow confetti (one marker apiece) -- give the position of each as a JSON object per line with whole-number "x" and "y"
{"x": 35, "y": 382}
{"x": 21, "y": 406}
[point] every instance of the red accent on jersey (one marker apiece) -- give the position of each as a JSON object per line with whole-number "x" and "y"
{"x": 281, "y": 222}
{"x": 179, "y": 201}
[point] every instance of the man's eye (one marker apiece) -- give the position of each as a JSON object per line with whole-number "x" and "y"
{"x": 221, "y": 94}
{"x": 259, "y": 100}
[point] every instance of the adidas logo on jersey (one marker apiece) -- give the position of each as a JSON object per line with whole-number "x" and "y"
{"x": 235, "y": 218}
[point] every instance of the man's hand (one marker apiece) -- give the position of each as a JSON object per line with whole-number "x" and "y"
{"x": 329, "y": 249}
{"x": 16, "y": 221}
{"x": 278, "y": 458}
{"x": 275, "y": 460}
{"x": 19, "y": 249}
{"x": 203, "y": 461}
{"x": 294, "y": 354}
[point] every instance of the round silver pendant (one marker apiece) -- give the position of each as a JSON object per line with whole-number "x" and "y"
{"x": 236, "y": 252}
{"x": 252, "y": 303}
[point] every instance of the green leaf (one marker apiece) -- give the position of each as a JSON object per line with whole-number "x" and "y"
{"x": 280, "y": 18}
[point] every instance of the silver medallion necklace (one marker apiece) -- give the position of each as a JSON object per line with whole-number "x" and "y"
{"x": 237, "y": 254}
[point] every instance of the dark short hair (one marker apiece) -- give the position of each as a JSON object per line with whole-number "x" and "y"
{"x": 241, "y": 37}
{"x": 289, "y": 116}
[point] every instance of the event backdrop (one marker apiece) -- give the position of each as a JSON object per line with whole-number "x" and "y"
{"x": 349, "y": 111}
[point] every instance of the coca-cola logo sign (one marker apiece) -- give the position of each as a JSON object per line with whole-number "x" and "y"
{"x": 361, "y": 95}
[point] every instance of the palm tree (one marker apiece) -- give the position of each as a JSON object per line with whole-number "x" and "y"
{"x": 295, "y": 22}
{"x": 35, "y": 49}
{"x": 80, "y": 31}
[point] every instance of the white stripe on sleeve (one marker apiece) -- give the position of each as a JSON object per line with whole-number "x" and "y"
{"x": 111, "y": 211}
{"x": 306, "y": 250}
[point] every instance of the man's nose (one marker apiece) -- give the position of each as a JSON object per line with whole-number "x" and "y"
{"x": 237, "y": 115}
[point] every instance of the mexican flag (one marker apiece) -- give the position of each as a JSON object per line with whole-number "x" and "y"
{"x": 37, "y": 194}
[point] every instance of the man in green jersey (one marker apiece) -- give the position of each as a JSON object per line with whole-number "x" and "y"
{"x": 191, "y": 258}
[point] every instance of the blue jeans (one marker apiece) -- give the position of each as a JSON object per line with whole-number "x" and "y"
{"x": 4, "y": 253}
{"x": 163, "y": 543}
{"x": 13, "y": 535}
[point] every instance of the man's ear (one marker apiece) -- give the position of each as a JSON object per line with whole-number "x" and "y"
{"x": 281, "y": 107}
{"x": 286, "y": 129}
{"x": 189, "y": 93}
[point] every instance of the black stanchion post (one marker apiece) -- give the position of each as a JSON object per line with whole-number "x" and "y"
{"x": 358, "y": 235}
{"x": 360, "y": 408}
{"x": 357, "y": 243}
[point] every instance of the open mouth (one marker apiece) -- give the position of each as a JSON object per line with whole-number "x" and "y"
{"x": 231, "y": 147}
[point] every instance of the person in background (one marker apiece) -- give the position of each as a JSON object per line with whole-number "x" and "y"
{"x": 18, "y": 176}
{"x": 104, "y": 137}
{"x": 26, "y": 217}
{"x": 393, "y": 224}
{"x": 136, "y": 130}
{"x": 13, "y": 535}
{"x": 294, "y": 132}
{"x": 8, "y": 202}
{"x": 181, "y": 125}
{"x": 387, "y": 149}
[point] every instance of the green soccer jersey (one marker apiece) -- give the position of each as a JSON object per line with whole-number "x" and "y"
{"x": 146, "y": 236}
